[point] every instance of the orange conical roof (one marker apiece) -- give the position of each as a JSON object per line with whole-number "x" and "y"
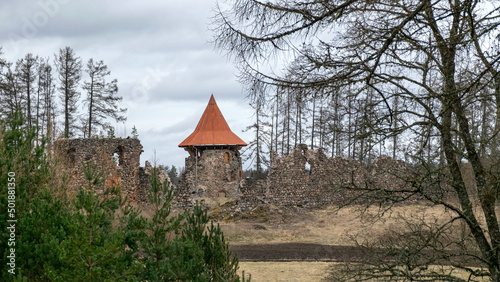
{"x": 212, "y": 130}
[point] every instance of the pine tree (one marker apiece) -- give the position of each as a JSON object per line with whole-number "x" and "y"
{"x": 101, "y": 97}
{"x": 96, "y": 250}
{"x": 69, "y": 68}
{"x": 134, "y": 133}
{"x": 184, "y": 252}
{"x": 46, "y": 91}
{"x": 173, "y": 174}
{"x": 26, "y": 70}
{"x": 157, "y": 245}
{"x": 111, "y": 132}
{"x": 21, "y": 163}
{"x": 11, "y": 95}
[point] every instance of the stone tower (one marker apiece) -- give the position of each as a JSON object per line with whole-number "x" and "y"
{"x": 213, "y": 168}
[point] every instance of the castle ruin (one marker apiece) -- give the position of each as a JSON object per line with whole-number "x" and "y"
{"x": 304, "y": 178}
{"x": 213, "y": 168}
{"x": 117, "y": 158}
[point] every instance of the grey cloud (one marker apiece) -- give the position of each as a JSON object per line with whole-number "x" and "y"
{"x": 157, "y": 49}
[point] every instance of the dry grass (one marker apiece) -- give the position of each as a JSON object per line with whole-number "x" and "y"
{"x": 286, "y": 271}
{"x": 216, "y": 202}
{"x": 434, "y": 269}
{"x": 312, "y": 271}
{"x": 326, "y": 226}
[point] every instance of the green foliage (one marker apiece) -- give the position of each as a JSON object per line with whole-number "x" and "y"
{"x": 42, "y": 232}
{"x": 173, "y": 174}
{"x": 97, "y": 235}
{"x": 218, "y": 262}
{"x": 111, "y": 132}
{"x": 62, "y": 242}
{"x": 196, "y": 253}
{"x": 25, "y": 161}
{"x": 19, "y": 154}
{"x": 134, "y": 133}
{"x": 156, "y": 241}
{"x": 96, "y": 250}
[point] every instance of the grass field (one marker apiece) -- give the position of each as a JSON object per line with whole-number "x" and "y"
{"x": 326, "y": 226}
{"x": 286, "y": 271}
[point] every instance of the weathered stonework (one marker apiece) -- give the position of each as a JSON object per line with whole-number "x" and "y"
{"x": 145, "y": 176}
{"x": 308, "y": 178}
{"x": 304, "y": 178}
{"x": 216, "y": 174}
{"x": 117, "y": 158}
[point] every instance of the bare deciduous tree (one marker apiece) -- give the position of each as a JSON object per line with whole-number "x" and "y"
{"x": 26, "y": 71}
{"x": 101, "y": 98}
{"x": 69, "y": 68}
{"x": 376, "y": 54}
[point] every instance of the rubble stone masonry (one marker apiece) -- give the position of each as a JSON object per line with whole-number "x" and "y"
{"x": 117, "y": 158}
{"x": 216, "y": 174}
{"x": 305, "y": 178}
{"x": 308, "y": 178}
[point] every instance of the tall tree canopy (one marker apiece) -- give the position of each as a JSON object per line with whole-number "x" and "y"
{"x": 26, "y": 69}
{"x": 101, "y": 97}
{"x": 69, "y": 68}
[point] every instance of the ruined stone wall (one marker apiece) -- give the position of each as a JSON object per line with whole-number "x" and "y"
{"x": 308, "y": 178}
{"x": 144, "y": 180}
{"x": 117, "y": 158}
{"x": 305, "y": 178}
{"x": 218, "y": 175}
{"x": 253, "y": 192}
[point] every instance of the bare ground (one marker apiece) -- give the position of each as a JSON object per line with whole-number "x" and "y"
{"x": 297, "y": 252}
{"x": 311, "y": 252}
{"x": 326, "y": 235}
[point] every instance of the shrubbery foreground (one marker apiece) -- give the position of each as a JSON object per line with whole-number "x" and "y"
{"x": 96, "y": 237}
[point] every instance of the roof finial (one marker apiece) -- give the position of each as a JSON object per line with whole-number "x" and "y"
{"x": 212, "y": 100}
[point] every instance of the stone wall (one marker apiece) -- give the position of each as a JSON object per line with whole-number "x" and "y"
{"x": 117, "y": 158}
{"x": 216, "y": 174}
{"x": 305, "y": 178}
{"x": 308, "y": 178}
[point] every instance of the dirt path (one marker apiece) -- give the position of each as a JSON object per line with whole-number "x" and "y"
{"x": 296, "y": 251}
{"x": 309, "y": 252}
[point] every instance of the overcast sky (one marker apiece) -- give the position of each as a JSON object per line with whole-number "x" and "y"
{"x": 158, "y": 50}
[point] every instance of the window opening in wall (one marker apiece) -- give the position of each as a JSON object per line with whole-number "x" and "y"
{"x": 227, "y": 157}
{"x": 71, "y": 156}
{"x": 308, "y": 168}
{"x": 118, "y": 156}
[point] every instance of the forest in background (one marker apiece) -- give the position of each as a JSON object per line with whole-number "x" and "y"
{"x": 315, "y": 74}
{"x": 93, "y": 233}
{"x": 61, "y": 96}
